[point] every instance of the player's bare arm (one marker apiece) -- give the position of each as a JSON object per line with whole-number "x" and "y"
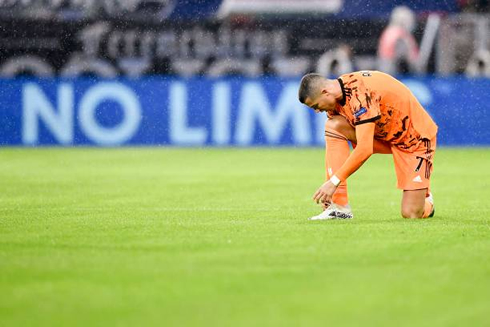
{"x": 362, "y": 152}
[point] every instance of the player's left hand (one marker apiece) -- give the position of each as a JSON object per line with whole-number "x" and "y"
{"x": 324, "y": 193}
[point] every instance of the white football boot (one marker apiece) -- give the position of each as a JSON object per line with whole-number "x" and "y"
{"x": 335, "y": 211}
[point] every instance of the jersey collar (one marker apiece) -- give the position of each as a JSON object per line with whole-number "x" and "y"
{"x": 342, "y": 102}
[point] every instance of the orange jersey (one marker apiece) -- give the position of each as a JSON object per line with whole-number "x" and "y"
{"x": 372, "y": 96}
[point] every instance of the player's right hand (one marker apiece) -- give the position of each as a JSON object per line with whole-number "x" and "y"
{"x": 324, "y": 193}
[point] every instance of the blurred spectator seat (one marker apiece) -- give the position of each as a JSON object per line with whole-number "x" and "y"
{"x": 26, "y": 65}
{"x": 231, "y": 66}
{"x": 479, "y": 64}
{"x": 460, "y": 38}
{"x": 82, "y": 66}
{"x": 290, "y": 67}
{"x": 335, "y": 62}
{"x": 365, "y": 62}
{"x": 134, "y": 67}
{"x": 187, "y": 67}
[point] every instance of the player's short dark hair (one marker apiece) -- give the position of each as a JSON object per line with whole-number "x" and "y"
{"x": 309, "y": 86}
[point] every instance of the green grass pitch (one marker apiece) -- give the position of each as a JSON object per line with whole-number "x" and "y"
{"x": 219, "y": 237}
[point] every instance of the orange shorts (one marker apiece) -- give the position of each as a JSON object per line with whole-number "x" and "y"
{"x": 413, "y": 169}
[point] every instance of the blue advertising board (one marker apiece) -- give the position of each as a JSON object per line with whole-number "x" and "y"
{"x": 205, "y": 112}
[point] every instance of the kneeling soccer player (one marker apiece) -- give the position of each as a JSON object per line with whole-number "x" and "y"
{"x": 377, "y": 114}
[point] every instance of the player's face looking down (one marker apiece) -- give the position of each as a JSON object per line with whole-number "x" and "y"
{"x": 323, "y": 102}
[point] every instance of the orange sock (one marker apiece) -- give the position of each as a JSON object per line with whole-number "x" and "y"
{"x": 337, "y": 151}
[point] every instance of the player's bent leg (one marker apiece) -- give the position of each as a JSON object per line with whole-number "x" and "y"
{"x": 416, "y": 204}
{"x": 413, "y": 172}
{"x": 413, "y": 202}
{"x": 337, "y": 134}
{"x": 340, "y": 125}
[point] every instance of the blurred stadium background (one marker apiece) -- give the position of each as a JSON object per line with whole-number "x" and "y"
{"x": 226, "y": 72}
{"x": 178, "y": 227}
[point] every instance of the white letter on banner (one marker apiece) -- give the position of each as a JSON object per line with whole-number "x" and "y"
{"x": 35, "y": 105}
{"x": 254, "y": 105}
{"x": 131, "y": 118}
{"x": 180, "y": 133}
{"x": 221, "y": 113}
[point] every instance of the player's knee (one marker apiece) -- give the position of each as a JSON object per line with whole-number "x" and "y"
{"x": 340, "y": 125}
{"x": 337, "y": 123}
{"x": 412, "y": 212}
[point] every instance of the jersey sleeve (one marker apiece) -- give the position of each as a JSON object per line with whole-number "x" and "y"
{"x": 364, "y": 104}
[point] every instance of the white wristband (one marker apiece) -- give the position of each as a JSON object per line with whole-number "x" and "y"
{"x": 335, "y": 180}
